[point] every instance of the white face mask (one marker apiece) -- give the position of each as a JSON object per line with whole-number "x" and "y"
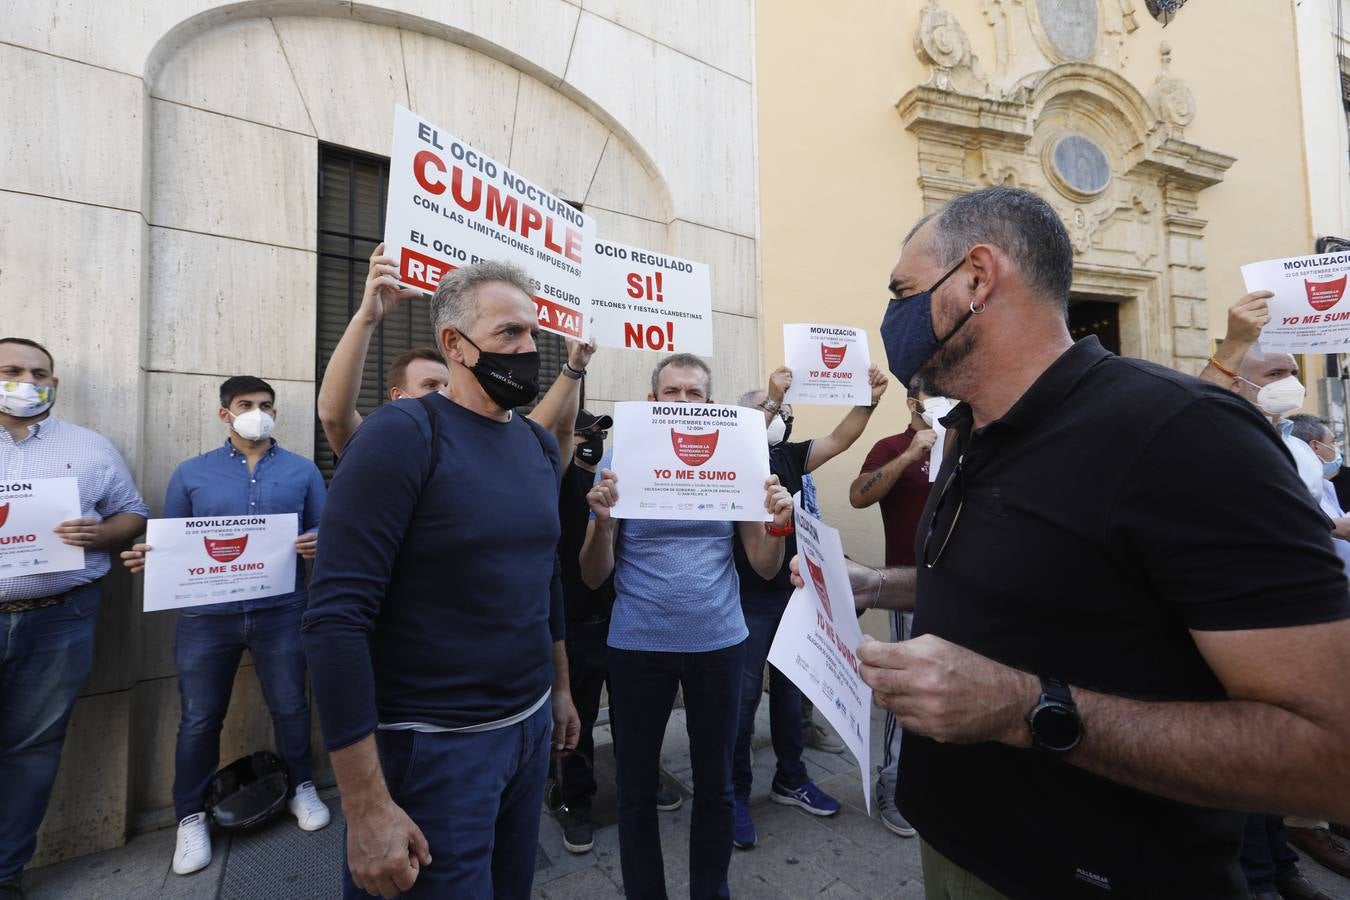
{"x": 253, "y": 425}
{"x": 23, "y": 399}
{"x": 935, "y": 408}
{"x": 777, "y": 431}
{"x": 1280, "y": 397}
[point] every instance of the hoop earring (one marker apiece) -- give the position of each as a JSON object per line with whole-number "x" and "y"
{"x": 975, "y": 311}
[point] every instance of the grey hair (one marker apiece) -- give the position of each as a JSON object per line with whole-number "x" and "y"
{"x": 748, "y": 398}
{"x": 456, "y": 299}
{"x": 1309, "y": 428}
{"x": 681, "y": 361}
{"x": 1019, "y": 223}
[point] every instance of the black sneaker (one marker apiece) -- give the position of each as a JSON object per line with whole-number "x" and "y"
{"x": 578, "y": 831}
{"x": 668, "y": 800}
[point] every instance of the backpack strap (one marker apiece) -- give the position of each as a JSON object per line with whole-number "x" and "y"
{"x": 539, "y": 432}
{"x": 434, "y": 421}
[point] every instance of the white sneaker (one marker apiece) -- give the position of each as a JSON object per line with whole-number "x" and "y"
{"x": 192, "y": 853}
{"x": 308, "y": 809}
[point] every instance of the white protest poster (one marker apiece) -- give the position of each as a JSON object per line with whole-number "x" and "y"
{"x": 218, "y": 559}
{"x": 450, "y": 205}
{"x": 817, "y": 641}
{"x": 694, "y": 461}
{"x": 644, "y": 300}
{"x": 934, "y": 408}
{"x": 30, "y": 510}
{"x": 1308, "y": 312}
{"x": 829, "y": 364}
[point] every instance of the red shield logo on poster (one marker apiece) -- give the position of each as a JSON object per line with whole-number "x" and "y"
{"x": 832, "y": 356}
{"x": 1324, "y": 295}
{"x": 4, "y": 514}
{"x": 226, "y": 549}
{"x": 818, "y": 579}
{"x": 694, "y": 449}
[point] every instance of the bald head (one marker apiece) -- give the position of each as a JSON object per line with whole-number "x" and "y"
{"x": 1259, "y": 369}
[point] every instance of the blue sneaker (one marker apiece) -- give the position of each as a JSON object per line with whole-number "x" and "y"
{"x": 743, "y": 835}
{"x": 808, "y": 797}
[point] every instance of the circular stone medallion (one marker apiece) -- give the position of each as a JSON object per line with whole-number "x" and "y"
{"x": 1081, "y": 164}
{"x": 1070, "y": 26}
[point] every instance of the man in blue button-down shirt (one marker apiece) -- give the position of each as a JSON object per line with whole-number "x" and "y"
{"x": 249, "y": 474}
{"x": 47, "y": 620}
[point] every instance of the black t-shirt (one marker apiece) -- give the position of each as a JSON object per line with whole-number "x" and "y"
{"x": 788, "y": 462}
{"x": 580, "y": 602}
{"x": 1115, "y": 507}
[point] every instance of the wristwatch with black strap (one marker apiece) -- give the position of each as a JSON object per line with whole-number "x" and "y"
{"x": 1055, "y": 725}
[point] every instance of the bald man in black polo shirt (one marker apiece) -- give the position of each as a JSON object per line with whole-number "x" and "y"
{"x": 1120, "y": 631}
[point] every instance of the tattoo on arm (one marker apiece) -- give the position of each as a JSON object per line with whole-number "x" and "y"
{"x": 871, "y": 483}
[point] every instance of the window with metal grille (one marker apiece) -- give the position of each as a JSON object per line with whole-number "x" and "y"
{"x": 352, "y": 190}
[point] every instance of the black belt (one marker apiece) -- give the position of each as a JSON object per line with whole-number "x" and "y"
{"x": 18, "y": 606}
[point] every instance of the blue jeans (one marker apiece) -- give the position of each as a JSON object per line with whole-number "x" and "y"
{"x": 45, "y": 655}
{"x": 478, "y": 799}
{"x": 207, "y": 653}
{"x": 642, "y": 689}
{"x": 763, "y": 612}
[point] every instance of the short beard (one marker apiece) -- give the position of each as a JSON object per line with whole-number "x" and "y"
{"x": 944, "y": 370}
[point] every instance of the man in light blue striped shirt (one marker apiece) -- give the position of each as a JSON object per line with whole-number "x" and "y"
{"x": 47, "y": 620}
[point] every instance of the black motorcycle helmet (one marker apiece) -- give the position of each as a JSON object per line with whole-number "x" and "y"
{"x": 249, "y": 792}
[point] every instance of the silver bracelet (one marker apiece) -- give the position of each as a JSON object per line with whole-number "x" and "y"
{"x": 881, "y": 583}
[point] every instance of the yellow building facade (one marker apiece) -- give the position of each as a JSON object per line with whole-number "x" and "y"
{"x": 1173, "y": 152}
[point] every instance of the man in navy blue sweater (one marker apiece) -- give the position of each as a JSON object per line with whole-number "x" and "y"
{"x": 436, "y": 609}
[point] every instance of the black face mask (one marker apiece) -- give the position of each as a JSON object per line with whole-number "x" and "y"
{"x": 591, "y": 450}
{"x": 509, "y": 379}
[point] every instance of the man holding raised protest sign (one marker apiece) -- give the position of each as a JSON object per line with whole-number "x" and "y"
{"x": 677, "y": 621}
{"x": 436, "y": 608}
{"x": 49, "y": 594}
{"x": 764, "y": 600}
{"x": 242, "y": 482}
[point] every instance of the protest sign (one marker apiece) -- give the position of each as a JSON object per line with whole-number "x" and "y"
{"x": 30, "y": 510}
{"x": 1307, "y": 313}
{"x": 218, "y": 559}
{"x": 649, "y": 301}
{"x": 829, "y": 364}
{"x": 450, "y": 205}
{"x": 690, "y": 461}
{"x": 817, "y": 640}
{"x": 934, "y": 408}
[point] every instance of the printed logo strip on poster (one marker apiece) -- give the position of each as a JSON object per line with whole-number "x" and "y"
{"x": 450, "y": 205}
{"x": 645, "y": 300}
{"x": 816, "y": 644}
{"x": 829, "y": 364}
{"x": 691, "y": 461}
{"x": 219, "y": 559}
{"x": 1309, "y": 312}
{"x": 30, "y": 510}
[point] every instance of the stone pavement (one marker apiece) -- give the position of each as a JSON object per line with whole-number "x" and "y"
{"x": 798, "y": 856}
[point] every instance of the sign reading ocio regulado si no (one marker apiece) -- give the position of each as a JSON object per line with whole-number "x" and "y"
{"x": 829, "y": 364}
{"x": 1309, "y": 311}
{"x": 219, "y": 559}
{"x": 695, "y": 461}
{"x": 450, "y": 205}
{"x": 645, "y": 300}
{"x": 817, "y": 640}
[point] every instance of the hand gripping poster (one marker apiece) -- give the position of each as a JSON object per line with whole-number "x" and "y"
{"x": 219, "y": 559}
{"x": 829, "y": 364}
{"x": 690, "y": 461}
{"x": 817, "y": 641}
{"x": 451, "y": 205}
{"x": 1309, "y": 312}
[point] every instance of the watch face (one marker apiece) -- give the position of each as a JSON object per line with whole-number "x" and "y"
{"x": 1056, "y": 727}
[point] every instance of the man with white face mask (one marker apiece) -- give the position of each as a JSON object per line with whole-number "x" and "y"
{"x": 763, "y": 602}
{"x": 47, "y": 620}
{"x": 1269, "y": 381}
{"x": 250, "y": 474}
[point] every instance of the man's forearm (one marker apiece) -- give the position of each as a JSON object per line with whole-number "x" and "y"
{"x": 849, "y": 429}
{"x": 597, "y": 553}
{"x": 341, "y": 384}
{"x": 894, "y": 587}
{"x": 870, "y": 487}
{"x": 1230, "y": 355}
{"x": 762, "y": 550}
{"x": 1234, "y": 754}
{"x": 557, "y": 412}
{"x": 118, "y": 531}
{"x": 562, "y": 677}
{"x": 359, "y": 776}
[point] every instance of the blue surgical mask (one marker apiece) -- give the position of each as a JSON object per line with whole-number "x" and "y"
{"x": 907, "y": 330}
{"x": 1329, "y": 469}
